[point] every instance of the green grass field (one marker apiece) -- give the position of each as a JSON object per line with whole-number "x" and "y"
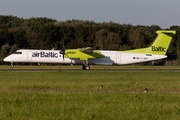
{"x": 80, "y": 67}
{"x": 77, "y": 95}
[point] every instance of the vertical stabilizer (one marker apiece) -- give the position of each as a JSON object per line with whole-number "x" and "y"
{"x": 161, "y": 43}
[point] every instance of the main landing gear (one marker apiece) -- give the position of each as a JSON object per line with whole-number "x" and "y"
{"x": 85, "y": 66}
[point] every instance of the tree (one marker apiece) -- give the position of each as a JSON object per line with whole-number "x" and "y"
{"x": 106, "y": 40}
{"x": 113, "y": 41}
{"x": 13, "y": 49}
{"x": 34, "y": 41}
{"x": 100, "y": 37}
{"x": 4, "y": 34}
{"x": 137, "y": 39}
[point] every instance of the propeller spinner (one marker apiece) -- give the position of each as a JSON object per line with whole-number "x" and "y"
{"x": 63, "y": 53}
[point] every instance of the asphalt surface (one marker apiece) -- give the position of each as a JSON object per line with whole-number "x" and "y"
{"x": 48, "y": 70}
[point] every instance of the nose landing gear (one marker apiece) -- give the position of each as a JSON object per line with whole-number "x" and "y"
{"x": 12, "y": 65}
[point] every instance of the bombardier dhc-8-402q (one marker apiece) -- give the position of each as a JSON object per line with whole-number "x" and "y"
{"x": 86, "y": 56}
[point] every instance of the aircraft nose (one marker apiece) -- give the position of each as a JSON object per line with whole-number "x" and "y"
{"x": 7, "y": 59}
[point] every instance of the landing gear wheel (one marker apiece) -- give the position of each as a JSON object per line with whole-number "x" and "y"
{"x": 85, "y": 67}
{"x": 12, "y": 65}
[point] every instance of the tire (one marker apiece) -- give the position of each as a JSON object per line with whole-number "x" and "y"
{"x": 83, "y": 67}
{"x": 87, "y": 68}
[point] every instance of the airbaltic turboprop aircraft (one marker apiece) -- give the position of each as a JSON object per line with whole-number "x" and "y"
{"x": 86, "y": 56}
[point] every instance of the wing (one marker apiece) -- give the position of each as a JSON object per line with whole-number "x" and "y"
{"x": 83, "y": 54}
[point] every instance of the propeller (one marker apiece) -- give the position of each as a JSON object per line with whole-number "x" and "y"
{"x": 63, "y": 51}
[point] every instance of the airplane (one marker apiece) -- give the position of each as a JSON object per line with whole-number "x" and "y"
{"x": 87, "y": 56}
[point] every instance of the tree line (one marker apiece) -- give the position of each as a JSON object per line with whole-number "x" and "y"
{"x": 46, "y": 33}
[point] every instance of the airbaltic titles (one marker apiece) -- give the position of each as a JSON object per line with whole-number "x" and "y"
{"x": 45, "y": 54}
{"x": 159, "y": 48}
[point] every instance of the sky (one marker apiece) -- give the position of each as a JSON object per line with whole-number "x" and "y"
{"x": 164, "y": 13}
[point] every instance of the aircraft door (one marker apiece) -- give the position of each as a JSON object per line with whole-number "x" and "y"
{"x": 29, "y": 56}
{"x": 118, "y": 58}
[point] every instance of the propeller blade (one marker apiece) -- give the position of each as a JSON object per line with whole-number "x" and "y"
{"x": 63, "y": 51}
{"x": 63, "y": 57}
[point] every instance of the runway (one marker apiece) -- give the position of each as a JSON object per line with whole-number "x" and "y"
{"x": 49, "y": 70}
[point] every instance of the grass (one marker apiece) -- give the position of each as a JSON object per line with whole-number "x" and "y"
{"x": 83, "y": 105}
{"x": 77, "y": 95}
{"x": 124, "y": 81}
{"x": 92, "y": 67}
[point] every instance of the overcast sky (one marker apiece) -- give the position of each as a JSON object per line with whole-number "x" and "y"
{"x": 164, "y": 13}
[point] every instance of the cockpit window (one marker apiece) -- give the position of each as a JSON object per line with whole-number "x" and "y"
{"x": 17, "y": 52}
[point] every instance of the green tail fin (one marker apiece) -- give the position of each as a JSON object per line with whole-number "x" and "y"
{"x": 161, "y": 43}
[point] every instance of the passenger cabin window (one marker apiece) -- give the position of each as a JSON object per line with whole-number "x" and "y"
{"x": 17, "y": 52}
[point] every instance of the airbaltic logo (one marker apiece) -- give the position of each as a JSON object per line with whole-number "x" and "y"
{"x": 45, "y": 54}
{"x": 71, "y": 52}
{"x": 157, "y": 49}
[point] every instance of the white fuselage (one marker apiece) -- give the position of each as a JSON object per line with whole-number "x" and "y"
{"x": 53, "y": 56}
